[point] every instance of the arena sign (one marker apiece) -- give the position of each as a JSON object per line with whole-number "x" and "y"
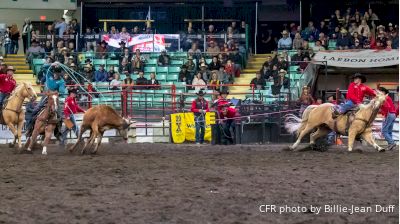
{"x": 359, "y": 58}
{"x": 146, "y": 42}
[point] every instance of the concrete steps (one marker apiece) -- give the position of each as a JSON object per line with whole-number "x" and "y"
{"x": 22, "y": 73}
{"x": 254, "y": 65}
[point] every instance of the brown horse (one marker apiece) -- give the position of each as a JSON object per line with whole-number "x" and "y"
{"x": 45, "y": 123}
{"x": 13, "y": 114}
{"x": 320, "y": 118}
{"x": 99, "y": 119}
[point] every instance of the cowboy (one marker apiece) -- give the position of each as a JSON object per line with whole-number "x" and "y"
{"x": 355, "y": 94}
{"x": 55, "y": 83}
{"x": 388, "y": 110}
{"x": 199, "y": 108}
{"x": 226, "y": 116}
{"x": 7, "y": 84}
{"x": 71, "y": 107}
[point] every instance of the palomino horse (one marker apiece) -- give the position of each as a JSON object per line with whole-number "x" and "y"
{"x": 13, "y": 114}
{"x": 45, "y": 123}
{"x": 320, "y": 118}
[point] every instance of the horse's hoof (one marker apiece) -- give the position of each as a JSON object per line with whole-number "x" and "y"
{"x": 288, "y": 148}
{"x": 11, "y": 145}
{"x": 381, "y": 150}
{"x": 357, "y": 150}
{"x": 93, "y": 152}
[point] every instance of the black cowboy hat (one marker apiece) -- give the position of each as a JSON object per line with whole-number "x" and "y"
{"x": 103, "y": 42}
{"x": 383, "y": 89}
{"x": 360, "y": 76}
{"x": 201, "y": 93}
{"x": 57, "y": 70}
{"x": 333, "y": 95}
{"x": 88, "y": 60}
{"x": 72, "y": 91}
{"x": 122, "y": 42}
{"x": 34, "y": 41}
{"x": 183, "y": 66}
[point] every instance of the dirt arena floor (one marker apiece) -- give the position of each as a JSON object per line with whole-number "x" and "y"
{"x": 165, "y": 183}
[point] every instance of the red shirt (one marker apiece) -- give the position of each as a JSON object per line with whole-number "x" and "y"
{"x": 388, "y": 107}
{"x": 7, "y": 83}
{"x": 231, "y": 113}
{"x": 71, "y": 107}
{"x": 356, "y": 93}
{"x": 197, "y": 105}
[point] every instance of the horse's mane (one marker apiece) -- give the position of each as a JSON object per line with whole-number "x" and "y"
{"x": 17, "y": 89}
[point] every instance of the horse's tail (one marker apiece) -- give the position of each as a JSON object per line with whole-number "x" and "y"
{"x": 292, "y": 123}
{"x": 295, "y": 124}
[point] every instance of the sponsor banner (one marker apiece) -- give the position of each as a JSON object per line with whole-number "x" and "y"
{"x": 359, "y": 58}
{"x": 190, "y": 132}
{"x": 146, "y": 42}
{"x": 178, "y": 127}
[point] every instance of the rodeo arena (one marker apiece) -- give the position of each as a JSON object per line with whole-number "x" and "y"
{"x": 223, "y": 111}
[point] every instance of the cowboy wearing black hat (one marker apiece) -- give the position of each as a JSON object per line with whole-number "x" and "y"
{"x": 199, "y": 108}
{"x": 388, "y": 110}
{"x": 355, "y": 94}
{"x": 7, "y": 84}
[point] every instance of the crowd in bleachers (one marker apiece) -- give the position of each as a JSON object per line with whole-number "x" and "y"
{"x": 355, "y": 29}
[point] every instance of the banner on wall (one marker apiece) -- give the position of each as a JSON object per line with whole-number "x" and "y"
{"x": 359, "y": 58}
{"x": 146, "y": 42}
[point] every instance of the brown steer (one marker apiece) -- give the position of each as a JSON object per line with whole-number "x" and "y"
{"x": 99, "y": 119}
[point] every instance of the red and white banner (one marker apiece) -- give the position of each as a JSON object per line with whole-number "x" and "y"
{"x": 144, "y": 42}
{"x": 359, "y": 58}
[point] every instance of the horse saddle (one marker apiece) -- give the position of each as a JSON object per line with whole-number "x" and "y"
{"x": 351, "y": 114}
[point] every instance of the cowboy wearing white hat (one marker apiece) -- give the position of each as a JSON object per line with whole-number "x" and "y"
{"x": 285, "y": 43}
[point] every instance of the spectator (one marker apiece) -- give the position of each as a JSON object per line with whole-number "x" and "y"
{"x": 222, "y": 58}
{"x": 285, "y": 43}
{"x": 88, "y": 72}
{"x": 318, "y": 46}
{"x": 14, "y": 36}
{"x": 48, "y": 49}
{"x": 213, "y": 49}
{"x": 90, "y": 40}
{"x": 223, "y": 77}
{"x": 353, "y": 28}
{"x": 202, "y": 61}
{"x": 137, "y": 64}
{"x": 303, "y": 65}
{"x": 102, "y": 50}
{"x": 155, "y": 84}
{"x": 115, "y": 83}
{"x": 69, "y": 61}
{"x": 7, "y": 41}
{"x": 141, "y": 80}
{"x": 205, "y": 73}
{"x": 323, "y": 39}
{"x": 322, "y": 27}
{"x": 334, "y": 34}
{"x": 125, "y": 66}
{"x": 333, "y": 23}
{"x": 61, "y": 26}
{"x": 69, "y": 82}
{"x": 194, "y": 52}
{"x": 381, "y": 39}
{"x": 124, "y": 35}
{"x": 305, "y": 99}
{"x": 114, "y": 33}
{"x": 297, "y": 58}
{"x": 388, "y": 45}
{"x": 214, "y": 82}
{"x": 184, "y": 75}
{"x": 268, "y": 62}
{"x": 136, "y": 30}
{"x": 198, "y": 82}
{"x": 343, "y": 42}
{"x": 225, "y": 49}
{"x": 282, "y": 63}
{"x": 101, "y": 75}
{"x": 26, "y": 28}
{"x": 266, "y": 72}
{"x": 258, "y": 82}
{"x": 163, "y": 59}
{"x": 372, "y": 15}
{"x": 242, "y": 27}
{"x": 215, "y": 64}
{"x": 310, "y": 33}
{"x": 190, "y": 66}
{"x": 125, "y": 55}
{"x": 332, "y": 99}
{"x": 128, "y": 80}
{"x": 34, "y": 51}
{"x": 319, "y": 101}
{"x": 75, "y": 26}
{"x": 363, "y": 29}
{"x": 297, "y": 41}
{"x": 110, "y": 73}
{"x": 337, "y": 14}
{"x": 230, "y": 69}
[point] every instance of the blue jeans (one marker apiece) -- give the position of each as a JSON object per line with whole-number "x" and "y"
{"x": 387, "y": 127}
{"x": 331, "y": 138}
{"x": 75, "y": 128}
{"x": 344, "y": 107}
{"x": 14, "y": 47}
{"x": 200, "y": 128}
{"x": 2, "y": 97}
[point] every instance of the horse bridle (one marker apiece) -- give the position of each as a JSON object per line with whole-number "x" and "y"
{"x": 20, "y": 97}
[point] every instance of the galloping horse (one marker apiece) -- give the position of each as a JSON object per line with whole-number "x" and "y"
{"x": 13, "y": 114}
{"x": 320, "y": 117}
{"x": 45, "y": 123}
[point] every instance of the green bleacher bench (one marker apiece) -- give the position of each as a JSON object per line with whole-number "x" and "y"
{"x": 174, "y": 69}
{"x": 162, "y": 70}
{"x": 113, "y": 62}
{"x": 172, "y": 77}
{"x": 176, "y": 62}
{"x": 293, "y": 68}
{"x": 149, "y": 69}
{"x": 161, "y": 77}
{"x": 134, "y": 76}
{"x": 151, "y": 61}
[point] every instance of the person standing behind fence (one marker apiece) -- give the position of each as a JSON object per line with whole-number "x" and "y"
{"x": 305, "y": 99}
{"x": 199, "y": 108}
{"x": 14, "y": 36}
{"x": 26, "y": 28}
{"x": 388, "y": 110}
